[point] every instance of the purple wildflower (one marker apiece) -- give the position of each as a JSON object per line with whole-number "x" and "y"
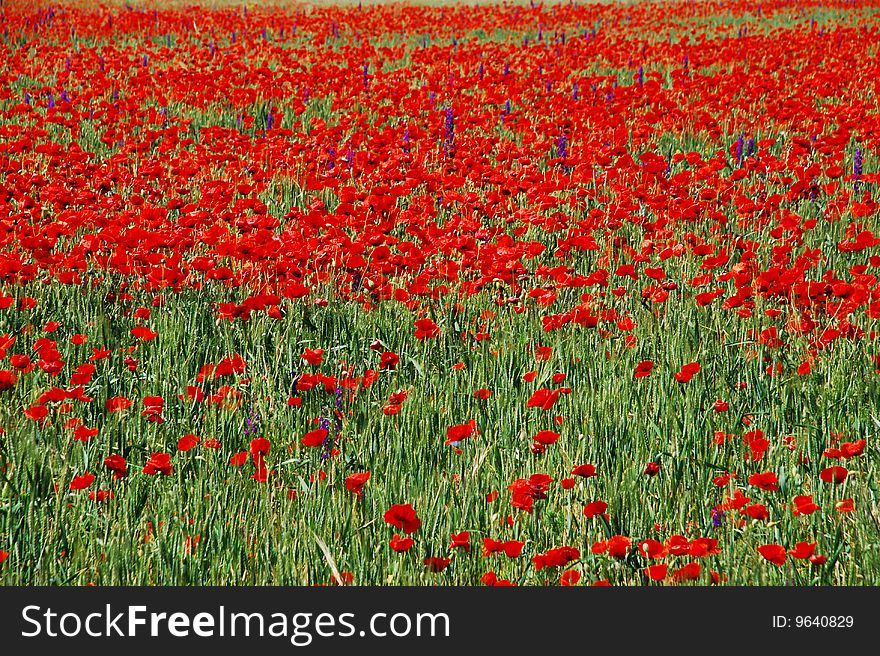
{"x": 449, "y": 133}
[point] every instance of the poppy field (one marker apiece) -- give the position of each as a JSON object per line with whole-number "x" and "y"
{"x": 511, "y": 294}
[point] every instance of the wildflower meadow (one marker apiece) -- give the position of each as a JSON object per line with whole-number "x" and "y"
{"x": 418, "y": 294}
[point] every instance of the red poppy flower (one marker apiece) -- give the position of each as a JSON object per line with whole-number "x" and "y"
{"x": 651, "y": 469}
{"x": 545, "y": 437}
{"x": 586, "y": 470}
{"x": 83, "y": 374}
{"x": 845, "y": 506}
{"x": 491, "y": 579}
{"x": 403, "y": 517}
{"x": 653, "y": 549}
{"x": 657, "y": 572}
{"x": 619, "y": 546}
{"x": 260, "y": 447}
{"x": 83, "y": 433}
{"x": 690, "y": 572}
{"x": 543, "y": 353}
{"x": 483, "y": 394}
{"x": 756, "y": 511}
{"x": 188, "y": 442}
{"x": 461, "y": 541}
{"x": 511, "y": 548}
{"x": 118, "y": 403}
{"x": 570, "y": 577}
{"x": 555, "y": 557}
{"x": 313, "y": 356}
{"x": 455, "y": 434}
{"x": 426, "y": 328}
{"x": 833, "y": 475}
{"x": 7, "y": 380}
{"x": 239, "y": 459}
{"x": 314, "y": 438}
{"x": 435, "y": 564}
{"x": 159, "y": 463}
{"x": 543, "y": 398}
{"x": 82, "y": 482}
{"x": 723, "y": 479}
{"x": 36, "y": 413}
{"x": 20, "y": 362}
{"x": 773, "y": 552}
{"x": 354, "y": 483}
{"x": 804, "y": 505}
{"x": 687, "y": 372}
{"x": 143, "y": 333}
{"x": 644, "y": 368}
{"x": 117, "y": 465}
{"x": 803, "y": 550}
{"x": 594, "y": 509}
{"x": 852, "y": 449}
{"x": 399, "y": 544}
{"x": 768, "y": 481}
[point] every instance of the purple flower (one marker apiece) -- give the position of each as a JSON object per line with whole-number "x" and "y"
{"x": 324, "y": 424}
{"x": 717, "y": 517}
{"x": 562, "y": 147}
{"x": 252, "y": 422}
{"x": 449, "y": 133}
